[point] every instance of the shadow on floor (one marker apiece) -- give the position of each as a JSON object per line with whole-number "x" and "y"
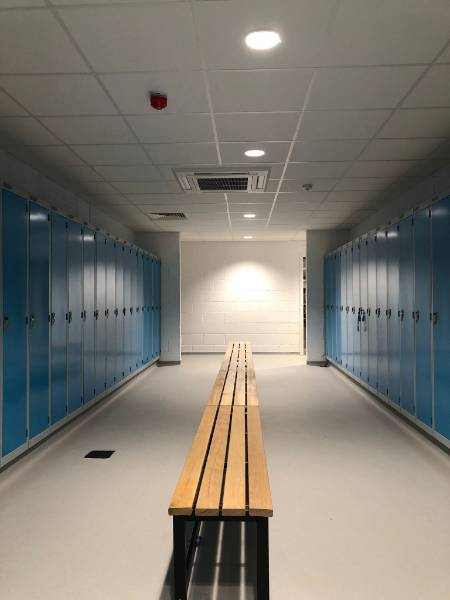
{"x": 224, "y": 566}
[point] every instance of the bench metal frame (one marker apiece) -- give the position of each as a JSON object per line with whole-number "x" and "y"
{"x": 182, "y": 559}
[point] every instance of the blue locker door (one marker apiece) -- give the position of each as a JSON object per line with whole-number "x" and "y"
{"x": 100, "y": 319}
{"x": 342, "y": 307}
{"x": 382, "y": 379}
{"x": 39, "y": 309}
{"x": 15, "y": 250}
{"x": 128, "y": 309}
{"x": 326, "y": 288}
{"x": 88, "y": 315}
{"x": 422, "y": 309}
{"x": 152, "y": 308}
{"x": 363, "y": 325}
{"x": 371, "y": 312}
{"x": 349, "y": 309}
{"x": 339, "y": 309}
{"x": 146, "y": 312}
{"x": 441, "y": 314}
{"x": 110, "y": 348}
{"x": 74, "y": 316}
{"x": 159, "y": 308}
{"x": 356, "y": 313}
{"x": 134, "y": 304}
{"x": 332, "y": 304}
{"x": 58, "y": 329}
{"x": 119, "y": 311}
{"x": 406, "y": 314}
{"x": 393, "y": 318}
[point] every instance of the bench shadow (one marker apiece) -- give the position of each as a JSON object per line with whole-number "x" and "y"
{"x": 224, "y": 566}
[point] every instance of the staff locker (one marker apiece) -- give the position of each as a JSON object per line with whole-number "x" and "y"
{"x": 382, "y": 366}
{"x": 349, "y": 308}
{"x": 58, "y": 322}
{"x": 145, "y": 348}
{"x": 158, "y": 318}
{"x": 14, "y": 267}
{"x": 393, "y": 318}
{"x": 326, "y": 282}
{"x": 110, "y": 317}
{"x": 342, "y": 308}
{"x": 422, "y": 316}
{"x": 74, "y": 316}
{"x": 127, "y": 310}
{"x": 406, "y": 314}
{"x": 363, "y": 319}
{"x": 119, "y": 368}
{"x": 155, "y": 308}
{"x": 356, "y": 310}
{"x": 441, "y": 314}
{"x": 134, "y": 304}
{"x": 38, "y": 322}
{"x": 139, "y": 310}
{"x": 100, "y": 308}
{"x": 338, "y": 309}
{"x": 371, "y": 310}
{"x": 88, "y": 315}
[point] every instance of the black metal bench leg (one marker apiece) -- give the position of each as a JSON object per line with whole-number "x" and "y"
{"x": 262, "y": 544}
{"x": 179, "y": 558}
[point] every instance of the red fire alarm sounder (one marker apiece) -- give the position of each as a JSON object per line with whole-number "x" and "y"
{"x": 158, "y": 101}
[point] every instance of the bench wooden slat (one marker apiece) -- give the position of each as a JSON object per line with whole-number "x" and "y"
{"x": 260, "y": 498}
{"x": 211, "y": 488}
{"x": 184, "y": 495}
{"x": 252, "y": 395}
{"x": 234, "y": 499}
{"x": 240, "y": 393}
{"x": 228, "y": 390}
{"x": 216, "y": 392}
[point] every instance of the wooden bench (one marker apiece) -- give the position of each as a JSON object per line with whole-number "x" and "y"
{"x": 225, "y": 474}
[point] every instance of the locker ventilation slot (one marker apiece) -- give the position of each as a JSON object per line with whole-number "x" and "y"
{"x": 100, "y": 454}
{"x": 176, "y": 216}
{"x": 249, "y": 181}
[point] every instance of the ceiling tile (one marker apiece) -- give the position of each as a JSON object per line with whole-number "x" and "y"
{"x": 35, "y": 53}
{"x": 445, "y": 56}
{"x": 319, "y": 185}
{"x": 97, "y": 187}
{"x": 185, "y": 91}
{"x": 147, "y": 187}
{"x": 167, "y": 171}
{"x": 433, "y": 90}
{"x": 381, "y": 168}
{"x": 178, "y": 154}
{"x": 233, "y": 152}
{"x": 90, "y": 130}
{"x": 169, "y": 128}
{"x": 59, "y": 94}
{"x": 129, "y": 173}
{"x": 21, "y": 3}
{"x": 79, "y": 173}
{"x": 314, "y": 197}
{"x": 327, "y": 150}
{"x": 8, "y": 107}
{"x": 404, "y": 149}
{"x": 320, "y": 170}
{"x": 179, "y": 199}
{"x": 331, "y": 124}
{"x": 258, "y": 197}
{"x": 223, "y": 26}
{"x": 360, "y": 183}
{"x": 51, "y": 155}
{"x": 387, "y": 32}
{"x": 416, "y": 123}
{"x": 357, "y": 197}
{"x": 122, "y": 154}
{"x": 24, "y": 131}
{"x": 135, "y": 38}
{"x": 107, "y": 199}
{"x": 259, "y": 91}
{"x": 238, "y": 210}
{"x": 248, "y": 127}
{"x": 362, "y": 87}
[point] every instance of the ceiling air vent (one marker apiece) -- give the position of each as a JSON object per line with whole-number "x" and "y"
{"x": 223, "y": 181}
{"x": 175, "y": 216}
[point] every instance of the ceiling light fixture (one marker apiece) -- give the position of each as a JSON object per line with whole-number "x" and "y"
{"x": 262, "y": 40}
{"x": 254, "y": 153}
{"x": 248, "y": 237}
{"x": 249, "y": 216}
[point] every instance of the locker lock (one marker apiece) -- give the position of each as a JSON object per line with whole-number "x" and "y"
{"x": 401, "y": 314}
{"x": 416, "y": 316}
{"x": 5, "y": 323}
{"x": 131, "y": 310}
{"x": 107, "y": 313}
{"x": 96, "y": 314}
{"x": 51, "y": 318}
{"x": 388, "y": 313}
{"x": 32, "y": 321}
{"x": 116, "y": 311}
{"x": 435, "y": 318}
{"x": 124, "y": 311}
{"x": 83, "y": 315}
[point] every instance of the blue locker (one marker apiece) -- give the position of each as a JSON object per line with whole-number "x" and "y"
{"x": 39, "y": 308}
{"x": 134, "y": 304}
{"x": 356, "y": 310}
{"x": 393, "y": 315}
{"x": 74, "y": 316}
{"x": 371, "y": 310}
{"x": 406, "y": 314}
{"x": 15, "y": 250}
{"x": 363, "y": 324}
{"x": 158, "y": 280}
{"x": 128, "y": 311}
{"x": 342, "y": 307}
{"x": 58, "y": 323}
{"x": 441, "y": 314}
{"x": 155, "y": 307}
{"x": 151, "y": 287}
{"x": 422, "y": 314}
{"x": 119, "y": 311}
{"x": 381, "y": 320}
{"x": 338, "y": 350}
{"x": 100, "y": 308}
{"x": 349, "y": 308}
{"x": 326, "y": 286}
{"x": 142, "y": 307}
{"x": 110, "y": 349}
{"x": 88, "y": 315}
{"x": 146, "y": 311}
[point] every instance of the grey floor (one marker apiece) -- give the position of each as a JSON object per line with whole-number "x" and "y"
{"x": 362, "y": 501}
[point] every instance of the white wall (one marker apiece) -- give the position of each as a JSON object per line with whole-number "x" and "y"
{"x": 241, "y": 290}
{"x": 318, "y": 244}
{"x": 167, "y": 247}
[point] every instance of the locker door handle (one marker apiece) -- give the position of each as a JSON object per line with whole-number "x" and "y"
{"x": 131, "y": 310}
{"x": 5, "y": 323}
{"x": 69, "y": 316}
{"x": 388, "y": 313}
{"x": 368, "y": 312}
{"x": 124, "y": 311}
{"x": 96, "y": 314}
{"x": 107, "y": 313}
{"x": 137, "y": 309}
{"x": 401, "y": 314}
{"x": 116, "y": 311}
{"x": 435, "y": 318}
{"x": 83, "y": 315}
{"x": 416, "y": 316}
{"x": 52, "y": 318}
{"x": 32, "y": 321}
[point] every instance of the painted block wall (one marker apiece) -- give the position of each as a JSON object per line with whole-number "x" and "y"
{"x": 241, "y": 290}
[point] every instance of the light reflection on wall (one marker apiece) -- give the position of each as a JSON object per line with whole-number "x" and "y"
{"x": 248, "y": 282}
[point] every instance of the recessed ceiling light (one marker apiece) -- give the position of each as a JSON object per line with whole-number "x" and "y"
{"x": 248, "y": 237}
{"x": 254, "y": 153}
{"x": 249, "y": 216}
{"x": 262, "y": 40}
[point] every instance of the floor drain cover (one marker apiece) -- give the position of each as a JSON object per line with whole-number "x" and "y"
{"x": 100, "y": 454}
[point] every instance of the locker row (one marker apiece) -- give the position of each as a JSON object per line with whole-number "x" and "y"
{"x": 80, "y": 311}
{"x": 387, "y": 313}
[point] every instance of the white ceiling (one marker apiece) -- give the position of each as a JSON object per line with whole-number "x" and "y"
{"x": 356, "y": 101}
